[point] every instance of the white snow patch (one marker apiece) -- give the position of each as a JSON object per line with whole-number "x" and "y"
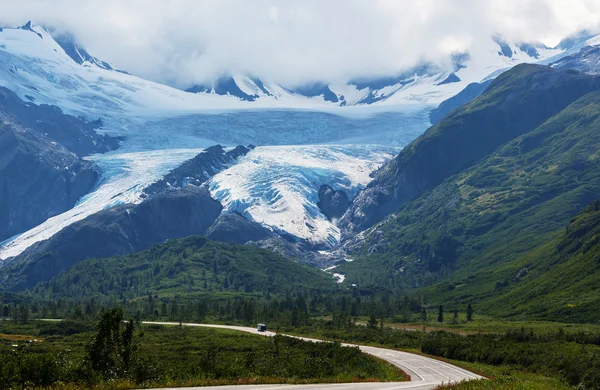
{"x": 278, "y": 186}
{"x": 124, "y": 176}
{"x": 340, "y": 278}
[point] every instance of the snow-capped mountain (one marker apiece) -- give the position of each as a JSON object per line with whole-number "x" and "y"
{"x": 587, "y": 60}
{"x": 58, "y": 71}
{"x": 80, "y": 55}
{"x": 426, "y": 82}
{"x": 162, "y": 127}
{"x": 581, "y": 53}
{"x": 39, "y": 69}
{"x": 357, "y": 126}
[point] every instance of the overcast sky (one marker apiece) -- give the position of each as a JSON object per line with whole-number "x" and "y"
{"x": 181, "y": 42}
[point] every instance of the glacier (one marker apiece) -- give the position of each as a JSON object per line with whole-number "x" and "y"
{"x": 278, "y": 186}
{"x": 303, "y": 141}
{"x": 123, "y": 178}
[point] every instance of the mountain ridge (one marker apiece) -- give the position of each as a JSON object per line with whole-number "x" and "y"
{"x": 405, "y": 176}
{"x": 493, "y": 227}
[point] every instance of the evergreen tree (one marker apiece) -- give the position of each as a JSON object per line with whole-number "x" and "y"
{"x": 372, "y": 322}
{"x": 455, "y": 317}
{"x": 295, "y": 321}
{"x": 441, "y": 314}
{"x": 424, "y": 315}
{"x": 469, "y": 313}
{"x": 112, "y": 350}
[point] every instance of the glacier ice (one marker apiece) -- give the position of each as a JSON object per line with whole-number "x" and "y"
{"x": 278, "y": 186}
{"x": 304, "y": 142}
{"x": 124, "y": 176}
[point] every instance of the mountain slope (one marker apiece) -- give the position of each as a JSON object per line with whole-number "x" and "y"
{"x": 581, "y": 55}
{"x": 587, "y": 60}
{"x": 117, "y": 231}
{"x": 561, "y": 279}
{"x": 424, "y": 83}
{"x": 476, "y": 223}
{"x": 185, "y": 267}
{"x": 516, "y": 102}
{"x": 75, "y": 134}
{"x": 173, "y": 207}
{"x": 465, "y": 96}
{"x": 38, "y": 178}
{"x": 558, "y": 280}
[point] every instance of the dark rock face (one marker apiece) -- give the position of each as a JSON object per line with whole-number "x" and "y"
{"x": 235, "y": 229}
{"x": 75, "y": 134}
{"x": 198, "y": 169}
{"x": 471, "y": 92}
{"x": 225, "y": 86}
{"x": 296, "y": 251}
{"x": 38, "y": 178}
{"x": 587, "y": 60}
{"x": 318, "y": 89}
{"x": 517, "y": 101}
{"x": 27, "y": 26}
{"x": 176, "y": 206}
{"x": 505, "y": 49}
{"x": 118, "y": 231}
{"x": 333, "y": 204}
{"x": 78, "y": 53}
{"x": 452, "y": 78}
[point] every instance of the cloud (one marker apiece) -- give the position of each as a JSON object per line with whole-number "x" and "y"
{"x": 182, "y": 42}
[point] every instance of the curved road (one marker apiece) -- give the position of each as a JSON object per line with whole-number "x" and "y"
{"x": 425, "y": 373}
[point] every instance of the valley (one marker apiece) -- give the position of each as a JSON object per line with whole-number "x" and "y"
{"x": 449, "y": 209}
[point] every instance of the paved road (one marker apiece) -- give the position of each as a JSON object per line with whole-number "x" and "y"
{"x": 425, "y": 373}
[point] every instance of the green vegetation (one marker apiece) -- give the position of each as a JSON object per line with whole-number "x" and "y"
{"x": 575, "y": 360}
{"x": 506, "y": 378}
{"x": 189, "y": 267}
{"x": 487, "y": 231}
{"x": 520, "y": 356}
{"x": 486, "y": 324}
{"x": 501, "y": 233}
{"x": 125, "y": 355}
{"x": 568, "y": 289}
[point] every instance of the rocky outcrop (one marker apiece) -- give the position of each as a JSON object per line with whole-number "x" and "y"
{"x": 121, "y": 230}
{"x": 297, "y": 251}
{"x": 75, "y": 134}
{"x": 235, "y": 229}
{"x": 38, "y": 178}
{"x": 516, "y": 102}
{"x": 198, "y": 169}
{"x": 176, "y": 206}
{"x": 332, "y": 203}
{"x": 587, "y": 60}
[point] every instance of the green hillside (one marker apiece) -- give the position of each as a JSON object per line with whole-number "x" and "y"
{"x": 479, "y": 226}
{"x": 185, "y": 267}
{"x": 517, "y": 102}
{"x": 559, "y": 280}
